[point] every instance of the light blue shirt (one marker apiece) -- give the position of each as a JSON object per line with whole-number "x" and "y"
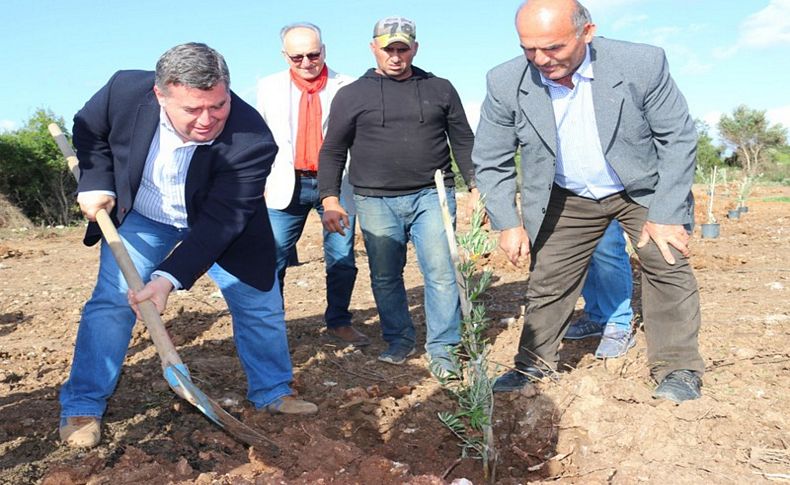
{"x": 161, "y": 196}
{"x": 581, "y": 165}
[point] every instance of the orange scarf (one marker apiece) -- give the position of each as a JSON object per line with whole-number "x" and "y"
{"x": 309, "y": 134}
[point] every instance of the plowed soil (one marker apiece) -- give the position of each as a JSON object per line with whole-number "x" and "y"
{"x": 377, "y": 423}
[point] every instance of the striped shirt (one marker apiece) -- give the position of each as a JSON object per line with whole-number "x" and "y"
{"x": 581, "y": 165}
{"x": 161, "y": 196}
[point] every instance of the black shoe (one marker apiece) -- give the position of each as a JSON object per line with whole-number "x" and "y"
{"x": 517, "y": 379}
{"x": 678, "y": 386}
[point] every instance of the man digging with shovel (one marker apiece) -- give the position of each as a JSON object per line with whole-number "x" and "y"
{"x": 180, "y": 162}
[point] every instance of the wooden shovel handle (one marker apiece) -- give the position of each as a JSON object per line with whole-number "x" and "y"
{"x": 153, "y": 322}
{"x": 466, "y": 305}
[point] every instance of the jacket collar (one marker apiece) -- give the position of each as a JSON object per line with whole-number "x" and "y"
{"x": 608, "y": 96}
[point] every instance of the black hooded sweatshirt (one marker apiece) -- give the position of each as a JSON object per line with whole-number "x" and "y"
{"x": 397, "y": 133}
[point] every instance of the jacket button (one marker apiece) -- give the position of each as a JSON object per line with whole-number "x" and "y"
{"x": 123, "y": 210}
{"x": 543, "y": 210}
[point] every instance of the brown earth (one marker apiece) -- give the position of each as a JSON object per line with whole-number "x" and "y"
{"x": 11, "y": 217}
{"x": 377, "y": 423}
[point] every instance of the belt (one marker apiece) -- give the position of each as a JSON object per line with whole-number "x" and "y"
{"x": 307, "y": 173}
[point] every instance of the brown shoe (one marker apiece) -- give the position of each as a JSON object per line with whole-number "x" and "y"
{"x": 291, "y": 405}
{"x": 348, "y": 335}
{"x": 80, "y": 431}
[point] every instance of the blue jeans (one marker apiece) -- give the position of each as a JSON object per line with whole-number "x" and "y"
{"x": 341, "y": 271}
{"x": 608, "y": 287}
{"x": 387, "y": 224}
{"x": 107, "y": 322}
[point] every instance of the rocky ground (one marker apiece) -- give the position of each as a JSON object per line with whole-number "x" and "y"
{"x": 377, "y": 423}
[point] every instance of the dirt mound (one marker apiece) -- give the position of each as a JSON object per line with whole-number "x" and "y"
{"x": 10, "y": 216}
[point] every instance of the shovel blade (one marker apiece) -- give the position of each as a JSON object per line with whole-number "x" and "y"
{"x": 212, "y": 410}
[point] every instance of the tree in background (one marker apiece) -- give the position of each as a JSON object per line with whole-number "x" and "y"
{"x": 748, "y": 133}
{"x": 34, "y": 175}
{"x": 708, "y": 154}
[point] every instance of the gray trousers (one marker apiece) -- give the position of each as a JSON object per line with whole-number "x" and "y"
{"x": 561, "y": 252}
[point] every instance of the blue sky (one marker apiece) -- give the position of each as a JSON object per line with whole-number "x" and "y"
{"x": 56, "y": 54}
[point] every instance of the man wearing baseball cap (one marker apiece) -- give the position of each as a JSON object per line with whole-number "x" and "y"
{"x": 396, "y": 121}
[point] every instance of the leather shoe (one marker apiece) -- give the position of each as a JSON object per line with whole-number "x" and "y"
{"x": 348, "y": 335}
{"x": 678, "y": 386}
{"x": 291, "y": 405}
{"x": 80, "y": 431}
{"x": 517, "y": 379}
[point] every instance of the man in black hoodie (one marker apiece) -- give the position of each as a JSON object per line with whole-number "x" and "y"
{"x": 396, "y": 121}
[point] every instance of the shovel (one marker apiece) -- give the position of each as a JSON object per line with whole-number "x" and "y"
{"x": 174, "y": 369}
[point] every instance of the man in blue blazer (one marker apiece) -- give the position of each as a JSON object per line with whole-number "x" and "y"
{"x": 604, "y": 134}
{"x": 180, "y": 162}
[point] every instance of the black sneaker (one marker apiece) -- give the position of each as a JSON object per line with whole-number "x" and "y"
{"x": 678, "y": 386}
{"x": 517, "y": 379}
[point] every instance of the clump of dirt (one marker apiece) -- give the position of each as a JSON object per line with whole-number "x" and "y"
{"x": 597, "y": 423}
{"x": 11, "y": 217}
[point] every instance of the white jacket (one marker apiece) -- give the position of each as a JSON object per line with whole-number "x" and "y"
{"x": 274, "y": 101}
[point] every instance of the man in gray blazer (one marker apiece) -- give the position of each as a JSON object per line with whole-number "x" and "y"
{"x": 604, "y": 134}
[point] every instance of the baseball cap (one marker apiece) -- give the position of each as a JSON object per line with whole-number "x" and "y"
{"x": 395, "y": 29}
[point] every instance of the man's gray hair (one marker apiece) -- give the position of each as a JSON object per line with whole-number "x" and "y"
{"x": 193, "y": 65}
{"x": 301, "y": 25}
{"x": 580, "y": 17}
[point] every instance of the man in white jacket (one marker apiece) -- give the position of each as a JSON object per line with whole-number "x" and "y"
{"x": 295, "y": 104}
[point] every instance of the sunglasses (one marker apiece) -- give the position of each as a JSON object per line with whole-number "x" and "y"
{"x": 311, "y": 56}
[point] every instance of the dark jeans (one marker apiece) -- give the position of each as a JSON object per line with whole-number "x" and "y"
{"x": 560, "y": 255}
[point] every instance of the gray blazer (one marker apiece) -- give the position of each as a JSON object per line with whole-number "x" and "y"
{"x": 646, "y": 134}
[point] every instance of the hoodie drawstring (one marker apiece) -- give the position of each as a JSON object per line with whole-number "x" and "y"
{"x": 418, "y": 94}
{"x": 381, "y": 92}
{"x": 419, "y": 98}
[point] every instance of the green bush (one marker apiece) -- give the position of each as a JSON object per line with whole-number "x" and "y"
{"x": 34, "y": 175}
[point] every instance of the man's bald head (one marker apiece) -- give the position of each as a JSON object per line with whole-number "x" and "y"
{"x": 554, "y": 11}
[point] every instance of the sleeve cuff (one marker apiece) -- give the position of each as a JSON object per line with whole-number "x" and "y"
{"x": 162, "y": 274}
{"x": 103, "y": 192}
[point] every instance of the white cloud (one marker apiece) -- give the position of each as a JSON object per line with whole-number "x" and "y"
{"x": 712, "y": 120}
{"x": 725, "y": 52}
{"x": 663, "y": 35}
{"x": 768, "y": 27}
{"x": 7, "y": 125}
{"x": 780, "y": 114}
{"x": 627, "y": 21}
{"x": 686, "y": 60}
{"x": 682, "y": 58}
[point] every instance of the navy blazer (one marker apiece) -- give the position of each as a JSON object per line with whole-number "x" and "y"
{"x": 226, "y": 211}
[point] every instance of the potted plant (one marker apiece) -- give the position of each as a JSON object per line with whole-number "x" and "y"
{"x": 710, "y": 230}
{"x": 733, "y": 211}
{"x": 743, "y": 193}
